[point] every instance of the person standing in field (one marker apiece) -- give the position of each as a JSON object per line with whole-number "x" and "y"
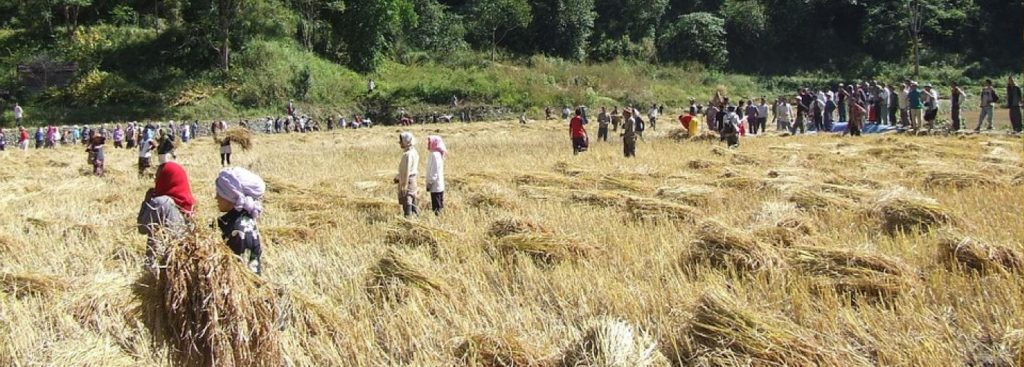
{"x": 1013, "y": 102}
{"x": 931, "y": 103}
{"x": 22, "y": 138}
{"x": 602, "y": 124}
{"x": 956, "y": 98}
{"x": 711, "y": 117}
{"x": 652, "y": 115}
{"x": 435, "y": 172}
{"x": 225, "y": 152}
{"x": 905, "y": 104}
{"x": 752, "y": 116}
{"x": 165, "y": 148}
{"x": 884, "y": 94}
{"x": 988, "y": 98}
{"x": 40, "y": 137}
{"x": 577, "y": 133}
{"x": 628, "y": 133}
{"x": 3, "y": 140}
{"x": 857, "y": 115}
{"x": 408, "y": 169}
{"x": 731, "y": 127}
{"x": 95, "y": 151}
{"x": 146, "y": 148}
{"x": 916, "y": 106}
{"x": 783, "y": 114}
{"x": 166, "y": 210}
{"x": 616, "y": 119}
{"x": 19, "y": 113}
{"x": 828, "y": 116}
{"x": 118, "y": 137}
{"x": 239, "y": 196}
{"x": 131, "y": 136}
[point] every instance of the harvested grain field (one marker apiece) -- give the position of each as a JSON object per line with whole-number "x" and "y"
{"x": 540, "y": 259}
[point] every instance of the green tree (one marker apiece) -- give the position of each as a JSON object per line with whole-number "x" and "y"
{"x": 372, "y": 26}
{"x": 564, "y": 27}
{"x": 438, "y": 29}
{"x": 494, "y": 19}
{"x": 695, "y": 37}
{"x": 745, "y": 23}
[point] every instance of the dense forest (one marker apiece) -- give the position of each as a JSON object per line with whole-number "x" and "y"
{"x": 195, "y": 58}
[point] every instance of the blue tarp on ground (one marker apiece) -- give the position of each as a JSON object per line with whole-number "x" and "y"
{"x": 840, "y": 127}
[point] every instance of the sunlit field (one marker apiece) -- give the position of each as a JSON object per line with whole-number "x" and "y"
{"x": 808, "y": 250}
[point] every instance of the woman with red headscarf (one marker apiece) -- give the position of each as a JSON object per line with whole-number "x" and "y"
{"x": 166, "y": 210}
{"x": 435, "y": 172}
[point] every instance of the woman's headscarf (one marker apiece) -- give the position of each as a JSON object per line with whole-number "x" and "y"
{"x": 242, "y": 188}
{"x": 172, "y": 181}
{"x": 406, "y": 139}
{"x": 435, "y": 144}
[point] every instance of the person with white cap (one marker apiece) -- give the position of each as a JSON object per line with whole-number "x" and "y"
{"x": 239, "y": 195}
{"x": 408, "y": 168}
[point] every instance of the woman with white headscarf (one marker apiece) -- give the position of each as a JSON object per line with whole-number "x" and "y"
{"x": 239, "y": 195}
{"x": 407, "y": 172}
{"x": 435, "y": 172}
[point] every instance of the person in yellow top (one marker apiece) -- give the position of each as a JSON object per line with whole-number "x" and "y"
{"x": 408, "y": 168}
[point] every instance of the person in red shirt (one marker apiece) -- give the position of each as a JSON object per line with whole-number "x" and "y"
{"x": 22, "y": 138}
{"x": 577, "y": 133}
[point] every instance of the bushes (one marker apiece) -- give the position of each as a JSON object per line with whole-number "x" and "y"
{"x": 265, "y": 74}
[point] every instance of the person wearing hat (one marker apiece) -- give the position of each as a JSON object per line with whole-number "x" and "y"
{"x": 916, "y": 101}
{"x": 408, "y": 169}
{"x": 628, "y": 133}
{"x": 800, "y": 116}
{"x": 956, "y": 98}
{"x": 239, "y": 196}
{"x": 731, "y": 127}
{"x": 931, "y": 103}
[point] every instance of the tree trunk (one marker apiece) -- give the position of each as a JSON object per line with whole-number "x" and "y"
{"x": 917, "y": 57}
{"x": 224, "y": 21}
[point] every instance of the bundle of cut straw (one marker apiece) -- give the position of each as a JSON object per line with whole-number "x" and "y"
{"x": 614, "y": 343}
{"x": 720, "y": 246}
{"x": 489, "y": 350}
{"x": 242, "y": 137}
{"x": 963, "y": 252}
{"x": 510, "y": 226}
{"x": 902, "y": 210}
{"x": 656, "y": 211}
{"x": 26, "y": 284}
{"x": 544, "y": 248}
{"x": 396, "y": 275}
{"x": 853, "y": 272}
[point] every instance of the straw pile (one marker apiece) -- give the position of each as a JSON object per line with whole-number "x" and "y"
{"x": 414, "y": 234}
{"x": 727, "y": 332}
{"x": 851, "y": 272}
{"x": 700, "y": 164}
{"x": 782, "y": 224}
{"x": 22, "y": 285}
{"x": 721, "y": 247}
{"x": 604, "y": 199}
{"x": 958, "y": 179}
{"x": 544, "y": 248}
{"x": 284, "y": 234}
{"x": 740, "y": 182}
{"x": 220, "y": 313}
{"x": 902, "y": 210}
{"x": 678, "y": 134}
{"x": 544, "y": 179}
{"x": 707, "y": 136}
{"x": 687, "y": 194}
{"x": 810, "y": 199}
{"x": 488, "y": 350}
{"x": 657, "y": 211}
{"x": 396, "y": 276}
{"x": 569, "y": 169}
{"x": 490, "y": 196}
{"x": 510, "y": 226}
{"x": 614, "y": 343}
{"x": 962, "y": 252}
{"x": 242, "y": 137}
{"x": 613, "y": 182}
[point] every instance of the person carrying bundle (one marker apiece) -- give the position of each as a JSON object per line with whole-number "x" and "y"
{"x": 239, "y": 195}
{"x": 166, "y": 211}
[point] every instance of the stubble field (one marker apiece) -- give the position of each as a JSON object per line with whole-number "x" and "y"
{"x": 811, "y": 250}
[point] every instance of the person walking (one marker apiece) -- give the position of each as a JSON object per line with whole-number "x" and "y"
{"x": 19, "y": 113}
{"x": 22, "y": 138}
{"x": 95, "y": 151}
{"x": 577, "y": 133}
{"x": 616, "y": 119}
{"x": 988, "y": 98}
{"x": 118, "y": 137}
{"x": 731, "y": 128}
{"x": 408, "y": 168}
{"x": 146, "y": 148}
{"x": 435, "y": 172}
{"x": 602, "y": 124}
{"x": 628, "y": 133}
{"x": 956, "y": 98}
{"x": 752, "y": 116}
{"x": 652, "y": 116}
{"x": 761, "y": 124}
{"x": 1013, "y": 102}
{"x": 239, "y": 197}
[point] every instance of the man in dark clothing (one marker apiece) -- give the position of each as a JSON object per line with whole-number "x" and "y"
{"x": 842, "y": 103}
{"x": 1013, "y": 101}
{"x": 803, "y": 107}
{"x": 956, "y": 98}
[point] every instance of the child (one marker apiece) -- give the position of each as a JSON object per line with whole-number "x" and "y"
{"x": 408, "y": 168}
{"x": 435, "y": 172}
{"x": 165, "y": 211}
{"x": 239, "y": 192}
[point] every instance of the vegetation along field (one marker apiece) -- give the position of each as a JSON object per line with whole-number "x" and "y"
{"x": 806, "y": 251}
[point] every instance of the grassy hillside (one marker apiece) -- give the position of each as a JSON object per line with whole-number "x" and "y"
{"x": 807, "y": 264}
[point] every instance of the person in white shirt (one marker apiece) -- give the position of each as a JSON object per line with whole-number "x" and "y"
{"x": 783, "y": 113}
{"x": 408, "y": 168}
{"x": 146, "y": 147}
{"x": 18, "y": 114}
{"x": 435, "y": 172}
{"x": 905, "y": 104}
{"x": 762, "y": 116}
{"x": 931, "y": 105}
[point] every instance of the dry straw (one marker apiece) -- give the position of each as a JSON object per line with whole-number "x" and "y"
{"x": 397, "y": 275}
{"x": 242, "y": 137}
{"x": 963, "y": 252}
{"x": 614, "y": 182}
{"x": 658, "y": 211}
{"x": 544, "y": 248}
{"x": 492, "y": 350}
{"x": 604, "y": 199}
{"x": 810, "y": 199}
{"x": 958, "y": 179}
{"x": 719, "y": 246}
{"x": 510, "y": 226}
{"x": 726, "y": 331}
{"x": 614, "y": 343}
{"x": 700, "y": 164}
{"x": 687, "y": 194}
{"x": 902, "y": 210}
{"x": 220, "y": 313}
{"x": 852, "y": 272}
{"x": 28, "y": 284}
{"x": 782, "y": 224}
